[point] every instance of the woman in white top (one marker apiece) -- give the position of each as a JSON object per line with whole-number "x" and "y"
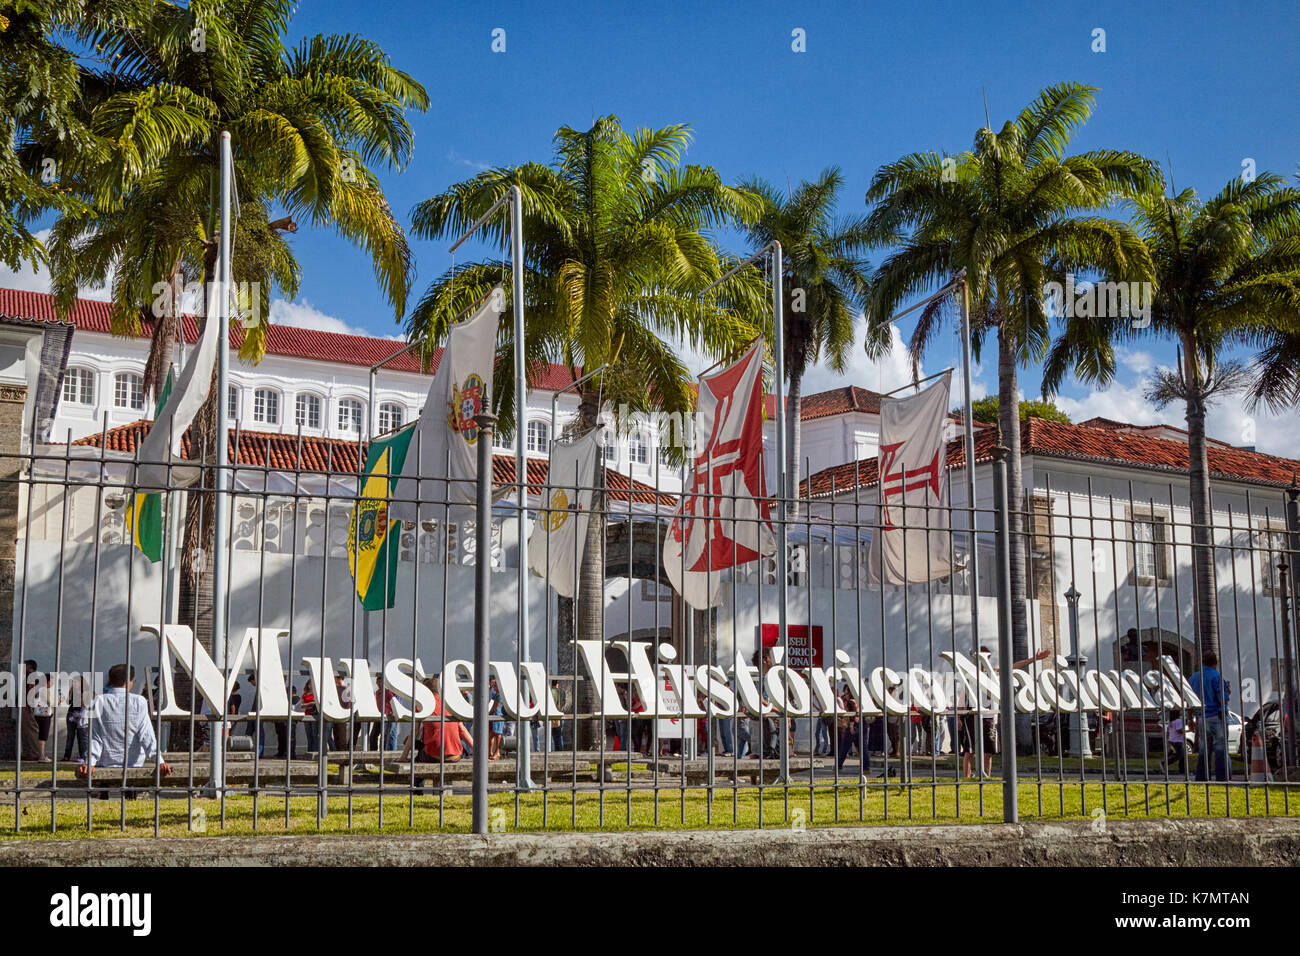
{"x": 42, "y": 710}
{"x": 1177, "y": 742}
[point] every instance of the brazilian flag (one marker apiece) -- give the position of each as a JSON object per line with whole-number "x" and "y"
{"x": 144, "y": 519}
{"x": 372, "y": 549}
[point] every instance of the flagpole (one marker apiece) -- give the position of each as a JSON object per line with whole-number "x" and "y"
{"x": 523, "y": 729}
{"x": 216, "y": 782}
{"x": 972, "y": 560}
{"x": 778, "y": 317}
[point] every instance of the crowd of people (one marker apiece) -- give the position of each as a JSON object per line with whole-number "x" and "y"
{"x": 116, "y": 728}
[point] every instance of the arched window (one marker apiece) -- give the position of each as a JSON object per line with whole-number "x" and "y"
{"x": 391, "y": 416}
{"x": 539, "y": 436}
{"x": 79, "y": 386}
{"x": 638, "y": 449}
{"x": 306, "y": 411}
{"x": 266, "y": 406}
{"x": 128, "y": 391}
{"x": 232, "y": 402}
{"x": 350, "y": 415}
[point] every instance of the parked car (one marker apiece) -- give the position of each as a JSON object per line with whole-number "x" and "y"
{"x": 1268, "y": 720}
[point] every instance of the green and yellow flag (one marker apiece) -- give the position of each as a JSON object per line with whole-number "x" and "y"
{"x": 372, "y": 550}
{"x": 144, "y": 520}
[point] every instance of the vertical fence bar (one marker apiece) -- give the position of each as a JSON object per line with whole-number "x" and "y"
{"x": 482, "y": 621}
{"x": 1002, "y": 514}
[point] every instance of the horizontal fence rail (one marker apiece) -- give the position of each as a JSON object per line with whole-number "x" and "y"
{"x": 873, "y": 703}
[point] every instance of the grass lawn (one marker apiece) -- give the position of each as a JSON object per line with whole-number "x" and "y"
{"x": 674, "y": 809}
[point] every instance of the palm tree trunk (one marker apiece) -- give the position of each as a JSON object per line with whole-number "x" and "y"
{"x": 1203, "y": 572}
{"x": 1009, "y": 433}
{"x": 793, "y": 411}
{"x": 591, "y": 575}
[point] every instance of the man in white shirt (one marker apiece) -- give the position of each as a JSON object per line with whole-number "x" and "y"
{"x": 121, "y": 732}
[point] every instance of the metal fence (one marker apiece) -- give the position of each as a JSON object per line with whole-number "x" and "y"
{"x": 889, "y": 702}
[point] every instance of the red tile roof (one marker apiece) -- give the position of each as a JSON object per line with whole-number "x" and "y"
{"x": 91, "y": 315}
{"x": 1111, "y": 425}
{"x": 838, "y": 401}
{"x": 841, "y": 401}
{"x": 1083, "y": 443}
{"x": 1104, "y": 445}
{"x": 287, "y": 453}
{"x": 844, "y": 478}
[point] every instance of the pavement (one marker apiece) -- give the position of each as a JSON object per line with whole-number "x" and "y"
{"x": 1255, "y": 841}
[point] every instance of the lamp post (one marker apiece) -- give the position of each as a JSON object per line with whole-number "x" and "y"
{"x": 1079, "y": 719}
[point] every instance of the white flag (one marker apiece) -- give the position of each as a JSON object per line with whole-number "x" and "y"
{"x": 724, "y": 520}
{"x": 559, "y": 534}
{"x": 446, "y": 431}
{"x": 913, "y": 541}
{"x": 163, "y": 443}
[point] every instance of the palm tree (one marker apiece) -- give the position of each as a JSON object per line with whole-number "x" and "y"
{"x": 39, "y": 83}
{"x": 305, "y": 122}
{"x": 825, "y": 285}
{"x": 1227, "y": 274}
{"x": 1014, "y": 212}
{"x": 618, "y": 254}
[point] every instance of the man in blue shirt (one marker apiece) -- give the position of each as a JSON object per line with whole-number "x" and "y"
{"x": 121, "y": 733}
{"x": 1211, "y": 728}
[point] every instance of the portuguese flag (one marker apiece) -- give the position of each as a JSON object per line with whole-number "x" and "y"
{"x": 144, "y": 519}
{"x": 372, "y": 550}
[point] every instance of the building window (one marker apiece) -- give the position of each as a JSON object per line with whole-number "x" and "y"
{"x": 503, "y": 440}
{"x": 266, "y": 406}
{"x": 350, "y": 415}
{"x": 79, "y": 386}
{"x": 1150, "y": 536}
{"x": 1271, "y": 546}
{"x": 232, "y": 402}
{"x": 539, "y": 437}
{"x": 306, "y": 411}
{"x": 638, "y": 449}
{"x": 128, "y": 391}
{"x": 390, "y": 417}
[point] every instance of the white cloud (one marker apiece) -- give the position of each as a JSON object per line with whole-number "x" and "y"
{"x": 890, "y": 371}
{"x": 1135, "y": 360}
{"x": 1122, "y": 402}
{"x": 304, "y": 315}
{"x": 28, "y": 279}
{"x": 454, "y": 157}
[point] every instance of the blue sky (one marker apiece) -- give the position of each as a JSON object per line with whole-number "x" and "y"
{"x": 1200, "y": 85}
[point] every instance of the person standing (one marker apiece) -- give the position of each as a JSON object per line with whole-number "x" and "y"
{"x": 557, "y": 723}
{"x": 43, "y": 712}
{"x": 29, "y": 735}
{"x": 1177, "y": 744}
{"x": 342, "y": 728}
{"x": 496, "y": 728}
{"x": 74, "y": 727}
{"x": 744, "y": 740}
{"x": 849, "y": 733}
{"x": 311, "y": 723}
{"x": 1211, "y": 734}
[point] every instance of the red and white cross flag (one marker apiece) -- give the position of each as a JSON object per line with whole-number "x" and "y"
{"x": 725, "y": 517}
{"x": 912, "y": 545}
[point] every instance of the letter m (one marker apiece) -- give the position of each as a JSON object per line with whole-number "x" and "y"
{"x": 178, "y": 644}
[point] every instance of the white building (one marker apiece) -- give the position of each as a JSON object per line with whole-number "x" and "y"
{"x": 1108, "y": 503}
